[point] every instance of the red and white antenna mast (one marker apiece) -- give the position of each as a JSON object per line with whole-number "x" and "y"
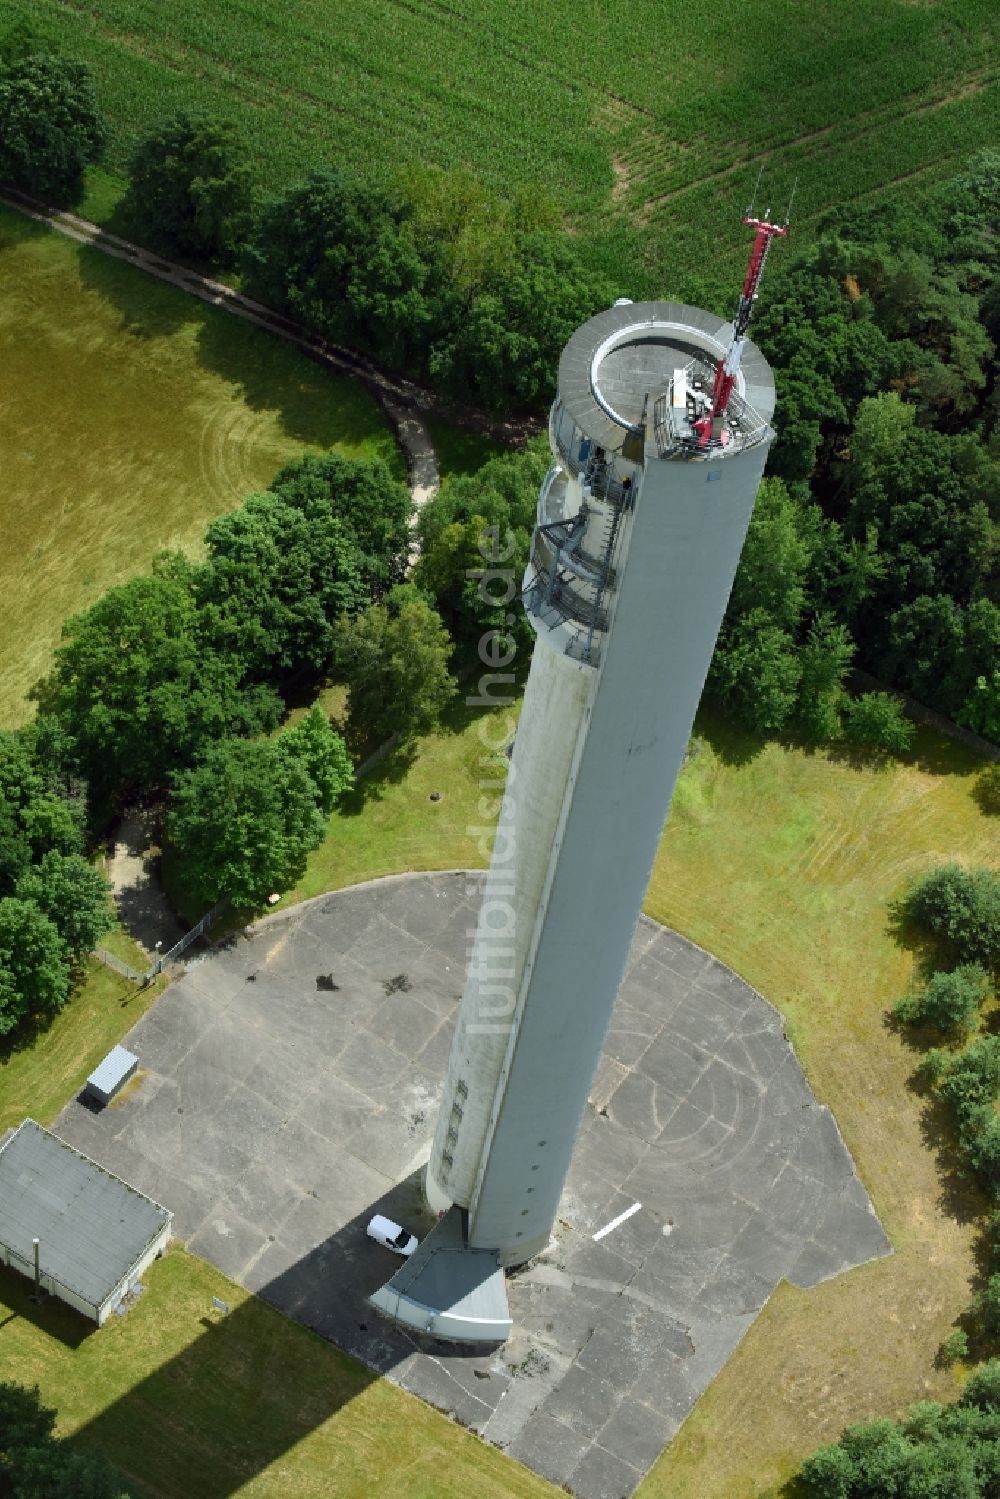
{"x": 710, "y": 425}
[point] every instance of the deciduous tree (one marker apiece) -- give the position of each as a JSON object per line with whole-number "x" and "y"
{"x": 189, "y": 191}
{"x": 34, "y": 977}
{"x": 243, "y": 820}
{"x": 394, "y": 658}
{"x": 73, "y": 895}
{"x": 364, "y": 497}
{"x": 50, "y": 127}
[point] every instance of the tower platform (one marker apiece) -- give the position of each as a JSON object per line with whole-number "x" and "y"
{"x": 447, "y": 1290}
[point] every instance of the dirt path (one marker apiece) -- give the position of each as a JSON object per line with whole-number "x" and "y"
{"x": 133, "y": 867}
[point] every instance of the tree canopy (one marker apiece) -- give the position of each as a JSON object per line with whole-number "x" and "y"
{"x": 134, "y": 688}
{"x": 34, "y": 1464}
{"x": 189, "y": 191}
{"x": 416, "y": 273}
{"x": 394, "y": 658}
{"x": 244, "y": 818}
{"x": 50, "y": 127}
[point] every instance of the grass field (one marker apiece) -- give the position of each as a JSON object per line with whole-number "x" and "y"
{"x": 37, "y": 1080}
{"x": 189, "y": 1404}
{"x": 130, "y": 414}
{"x": 637, "y": 113}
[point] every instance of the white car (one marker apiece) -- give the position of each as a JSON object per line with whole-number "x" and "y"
{"x": 391, "y": 1236}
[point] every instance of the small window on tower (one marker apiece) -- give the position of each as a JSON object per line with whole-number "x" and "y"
{"x": 714, "y": 473}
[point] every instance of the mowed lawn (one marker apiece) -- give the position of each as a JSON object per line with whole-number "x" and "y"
{"x": 634, "y": 115}
{"x": 194, "y": 1405}
{"x": 130, "y": 415}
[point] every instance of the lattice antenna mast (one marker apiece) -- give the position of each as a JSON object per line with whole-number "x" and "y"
{"x": 729, "y": 364}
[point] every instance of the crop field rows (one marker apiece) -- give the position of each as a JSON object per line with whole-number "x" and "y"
{"x": 634, "y": 115}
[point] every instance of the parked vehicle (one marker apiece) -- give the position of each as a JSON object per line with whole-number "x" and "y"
{"x": 391, "y": 1236}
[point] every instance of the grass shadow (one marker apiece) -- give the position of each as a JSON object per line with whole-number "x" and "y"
{"x": 390, "y": 769}
{"x": 51, "y": 1316}
{"x": 961, "y": 1196}
{"x": 317, "y": 406}
{"x": 148, "y": 308}
{"x": 732, "y": 745}
{"x": 254, "y": 1382}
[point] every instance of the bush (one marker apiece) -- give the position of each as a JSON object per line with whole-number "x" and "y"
{"x": 970, "y": 1083}
{"x": 955, "y": 1346}
{"x": 961, "y": 909}
{"x": 50, "y": 128}
{"x": 982, "y": 1389}
{"x": 876, "y": 721}
{"x": 950, "y": 1003}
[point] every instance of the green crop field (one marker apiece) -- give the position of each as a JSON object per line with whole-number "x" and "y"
{"x": 130, "y": 414}
{"x": 634, "y": 114}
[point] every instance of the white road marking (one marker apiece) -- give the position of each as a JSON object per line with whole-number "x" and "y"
{"x": 616, "y": 1221}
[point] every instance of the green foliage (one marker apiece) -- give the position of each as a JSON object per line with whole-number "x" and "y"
{"x": 982, "y": 1389}
{"x": 34, "y": 1465}
{"x": 336, "y": 252}
{"x": 981, "y": 710}
{"x": 189, "y": 190}
{"x": 503, "y": 348}
{"x": 986, "y": 1306}
{"x": 955, "y": 1346}
{"x": 434, "y": 288}
{"x": 876, "y": 721}
{"x": 50, "y": 128}
{"x": 394, "y": 658}
{"x": 938, "y": 1452}
{"x": 323, "y": 754}
{"x": 475, "y": 536}
{"x": 34, "y": 980}
{"x": 33, "y": 816}
{"x": 950, "y": 1003}
{"x": 134, "y": 690}
{"x": 969, "y": 1083}
{"x": 374, "y": 507}
{"x": 74, "y": 897}
{"x": 756, "y": 673}
{"x": 278, "y": 576}
{"x": 824, "y": 660}
{"x": 243, "y": 820}
{"x": 960, "y": 908}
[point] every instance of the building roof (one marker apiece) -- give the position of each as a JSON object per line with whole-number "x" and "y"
{"x": 613, "y": 361}
{"x": 92, "y": 1227}
{"x": 115, "y": 1066}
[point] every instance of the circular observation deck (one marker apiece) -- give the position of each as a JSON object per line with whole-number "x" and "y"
{"x": 621, "y": 356}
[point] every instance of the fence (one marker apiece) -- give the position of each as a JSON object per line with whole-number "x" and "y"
{"x": 110, "y": 961}
{"x": 162, "y": 959}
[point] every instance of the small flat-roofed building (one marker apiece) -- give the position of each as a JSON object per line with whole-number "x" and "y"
{"x": 96, "y": 1233}
{"x": 111, "y": 1075}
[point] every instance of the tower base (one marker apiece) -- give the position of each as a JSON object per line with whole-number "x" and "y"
{"x": 447, "y": 1290}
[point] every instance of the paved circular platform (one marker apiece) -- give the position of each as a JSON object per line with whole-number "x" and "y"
{"x": 291, "y": 1080}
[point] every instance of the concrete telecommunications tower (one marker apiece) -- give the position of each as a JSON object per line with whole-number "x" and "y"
{"x": 659, "y": 433}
